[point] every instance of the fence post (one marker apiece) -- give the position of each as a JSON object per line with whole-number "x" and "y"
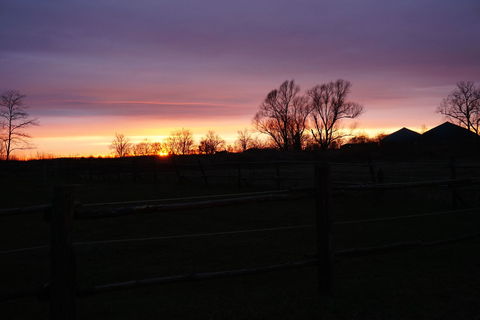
{"x": 324, "y": 230}
{"x": 62, "y": 259}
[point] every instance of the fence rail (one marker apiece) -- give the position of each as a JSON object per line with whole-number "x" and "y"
{"x": 100, "y": 213}
{"x": 138, "y": 206}
{"x": 410, "y": 185}
{"x": 62, "y": 287}
{"x": 25, "y": 210}
{"x": 473, "y": 210}
{"x": 362, "y": 251}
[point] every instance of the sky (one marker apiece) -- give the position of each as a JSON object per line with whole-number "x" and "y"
{"x": 144, "y": 68}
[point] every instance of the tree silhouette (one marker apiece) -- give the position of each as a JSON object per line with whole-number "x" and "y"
{"x": 157, "y": 148}
{"x": 14, "y": 119}
{"x": 211, "y": 143}
{"x": 180, "y": 142}
{"x": 147, "y": 148}
{"x": 282, "y": 116}
{"x": 143, "y": 148}
{"x": 244, "y": 140}
{"x": 328, "y": 108}
{"x": 462, "y": 106}
{"x": 2, "y": 148}
{"x": 121, "y": 145}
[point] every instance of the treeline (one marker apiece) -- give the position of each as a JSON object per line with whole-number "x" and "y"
{"x": 182, "y": 142}
{"x": 292, "y": 120}
{"x": 289, "y": 119}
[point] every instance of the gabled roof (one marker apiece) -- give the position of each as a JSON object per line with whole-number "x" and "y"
{"x": 448, "y": 131}
{"x": 403, "y": 135}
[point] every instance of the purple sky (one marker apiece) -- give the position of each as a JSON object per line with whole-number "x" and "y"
{"x": 146, "y": 67}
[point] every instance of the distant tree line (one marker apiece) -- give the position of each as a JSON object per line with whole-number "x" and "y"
{"x": 182, "y": 142}
{"x": 292, "y": 120}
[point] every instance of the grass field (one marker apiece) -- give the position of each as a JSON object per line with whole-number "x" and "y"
{"x": 440, "y": 282}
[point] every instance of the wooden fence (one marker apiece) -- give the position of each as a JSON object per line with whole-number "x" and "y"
{"x": 62, "y": 288}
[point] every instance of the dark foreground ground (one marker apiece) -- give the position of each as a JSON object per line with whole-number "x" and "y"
{"x": 437, "y": 282}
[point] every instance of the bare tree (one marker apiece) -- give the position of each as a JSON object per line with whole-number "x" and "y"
{"x": 146, "y": 148}
{"x": 462, "y": 106}
{"x": 180, "y": 142}
{"x": 157, "y": 148}
{"x": 143, "y": 148}
{"x": 2, "y": 149}
{"x": 14, "y": 119}
{"x": 230, "y": 148}
{"x": 282, "y": 116}
{"x": 259, "y": 143}
{"x": 211, "y": 143}
{"x": 329, "y": 107}
{"x": 244, "y": 140}
{"x": 121, "y": 145}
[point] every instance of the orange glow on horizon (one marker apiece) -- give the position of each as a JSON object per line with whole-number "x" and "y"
{"x": 98, "y": 145}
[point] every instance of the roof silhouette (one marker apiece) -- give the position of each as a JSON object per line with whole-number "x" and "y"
{"x": 403, "y": 135}
{"x": 448, "y": 132}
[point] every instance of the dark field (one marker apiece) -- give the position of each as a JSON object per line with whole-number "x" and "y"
{"x": 435, "y": 282}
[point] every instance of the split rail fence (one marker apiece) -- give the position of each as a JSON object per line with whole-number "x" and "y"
{"x": 62, "y": 288}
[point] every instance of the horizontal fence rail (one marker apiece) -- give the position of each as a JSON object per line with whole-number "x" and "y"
{"x": 136, "y": 206}
{"x": 362, "y": 251}
{"x": 64, "y": 210}
{"x": 177, "y": 202}
{"x": 475, "y": 210}
{"x": 410, "y": 185}
{"x": 403, "y": 245}
{"x": 84, "y": 213}
{"x": 199, "y": 276}
{"x": 25, "y": 210}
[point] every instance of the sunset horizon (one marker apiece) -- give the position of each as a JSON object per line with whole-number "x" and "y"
{"x": 228, "y": 160}
{"x": 89, "y": 70}
{"x": 84, "y": 135}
